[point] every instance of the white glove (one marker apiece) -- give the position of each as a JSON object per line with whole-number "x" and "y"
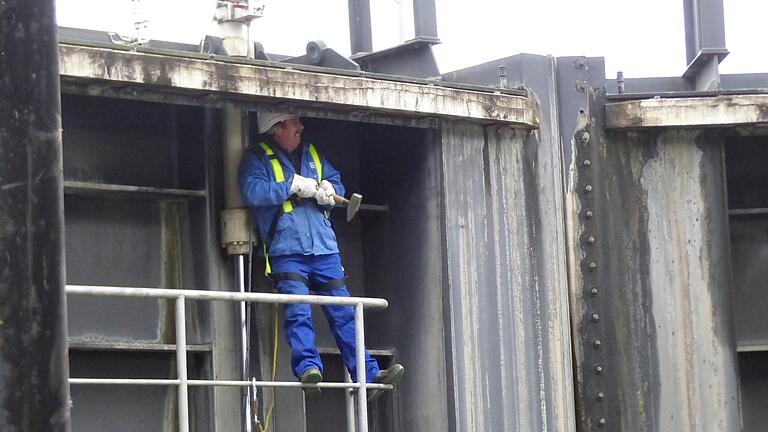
{"x": 303, "y": 186}
{"x": 325, "y": 193}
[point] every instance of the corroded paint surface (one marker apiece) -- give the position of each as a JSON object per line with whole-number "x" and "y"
{"x": 184, "y": 74}
{"x": 703, "y": 111}
{"x": 510, "y": 347}
{"x": 662, "y": 273}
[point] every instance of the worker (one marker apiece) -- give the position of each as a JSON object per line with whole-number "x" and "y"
{"x": 289, "y": 188}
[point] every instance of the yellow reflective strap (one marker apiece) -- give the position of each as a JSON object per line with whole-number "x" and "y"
{"x": 267, "y": 267}
{"x": 287, "y": 207}
{"x": 277, "y": 169}
{"x": 318, "y": 163}
{"x": 318, "y": 167}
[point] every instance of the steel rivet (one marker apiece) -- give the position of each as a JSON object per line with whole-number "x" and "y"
{"x": 598, "y": 369}
{"x": 600, "y": 396}
{"x": 588, "y": 188}
{"x": 585, "y": 137}
{"x": 597, "y": 344}
{"x": 595, "y": 317}
{"x": 601, "y": 422}
{"x": 589, "y": 214}
{"x": 594, "y": 292}
{"x": 581, "y": 86}
{"x": 587, "y": 163}
{"x": 581, "y": 64}
{"x": 593, "y": 266}
{"x": 591, "y": 240}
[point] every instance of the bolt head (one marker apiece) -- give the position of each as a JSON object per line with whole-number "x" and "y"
{"x": 598, "y": 369}
{"x": 597, "y": 344}
{"x": 595, "y": 317}
{"x": 601, "y": 422}
{"x": 594, "y": 292}
{"x": 585, "y": 137}
{"x": 589, "y": 214}
{"x": 587, "y": 163}
{"x": 588, "y": 188}
{"x": 600, "y": 396}
{"x": 593, "y": 266}
{"x": 591, "y": 240}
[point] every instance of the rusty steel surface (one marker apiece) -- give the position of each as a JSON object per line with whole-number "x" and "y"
{"x": 727, "y": 110}
{"x": 248, "y": 81}
{"x": 510, "y": 358}
{"x": 653, "y": 257}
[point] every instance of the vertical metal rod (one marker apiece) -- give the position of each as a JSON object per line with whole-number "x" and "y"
{"x": 349, "y": 397}
{"x": 244, "y": 351}
{"x": 181, "y": 364}
{"x": 34, "y": 394}
{"x": 362, "y": 402}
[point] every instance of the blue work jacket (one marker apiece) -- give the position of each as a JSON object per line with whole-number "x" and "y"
{"x": 305, "y": 230}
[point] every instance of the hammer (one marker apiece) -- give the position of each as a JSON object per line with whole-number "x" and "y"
{"x": 352, "y": 204}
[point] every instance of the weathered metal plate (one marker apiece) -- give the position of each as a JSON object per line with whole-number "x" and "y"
{"x": 247, "y": 81}
{"x": 732, "y": 110}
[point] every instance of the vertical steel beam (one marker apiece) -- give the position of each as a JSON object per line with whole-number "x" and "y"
{"x": 704, "y": 42}
{"x": 34, "y": 395}
{"x": 360, "y": 37}
{"x": 425, "y": 19}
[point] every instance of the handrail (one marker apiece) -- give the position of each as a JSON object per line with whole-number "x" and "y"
{"x": 183, "y": 383}
{"x": 372, "y": 303}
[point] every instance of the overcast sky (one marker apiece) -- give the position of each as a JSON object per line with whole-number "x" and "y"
{"x": 641, "y": 38}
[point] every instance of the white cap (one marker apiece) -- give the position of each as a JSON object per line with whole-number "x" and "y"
{"x": 268, "y": 119}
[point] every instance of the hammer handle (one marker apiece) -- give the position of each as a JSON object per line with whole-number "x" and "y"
{"x": 340, "y": 200}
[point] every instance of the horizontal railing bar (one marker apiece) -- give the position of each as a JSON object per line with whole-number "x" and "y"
{"x": 225, "y": 296}
{"x": 285, "y": 384}
{"x": 123, "y": 381}
{"x": 221, "y": 383}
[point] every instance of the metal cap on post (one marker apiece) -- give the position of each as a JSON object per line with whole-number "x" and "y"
{"x": 234, "y": 18}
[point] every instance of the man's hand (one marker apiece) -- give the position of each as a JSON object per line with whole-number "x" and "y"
{"x": 325, "y": 193}
{"x": 303, "y": 186}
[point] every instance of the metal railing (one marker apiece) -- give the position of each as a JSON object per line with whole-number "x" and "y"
{"x": 183, "y": 383}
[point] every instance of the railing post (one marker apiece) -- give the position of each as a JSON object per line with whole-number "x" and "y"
{"x": 181, "y": 364}
{"x": 349, "y": 397}
{"x": 362, "y": 402}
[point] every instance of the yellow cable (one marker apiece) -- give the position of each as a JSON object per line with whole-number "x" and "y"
{"x": 274, "y": 371}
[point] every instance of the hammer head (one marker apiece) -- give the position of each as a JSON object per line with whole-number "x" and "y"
{"x": 353, "y": 205}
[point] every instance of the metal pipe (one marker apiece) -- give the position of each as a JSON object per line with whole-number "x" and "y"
{"x": 349, "y": 398}
{"x": 34, "y": 394}
{"x": 181, "y": 364}
{"x": 124, "y": 381}
{"x": 362, "y": 403}
{"x": 220, "y": 383}
{"x": 244, "y": 351}
{"x": 373, "y": 303}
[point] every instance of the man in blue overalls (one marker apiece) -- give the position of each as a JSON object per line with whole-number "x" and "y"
{"x": 289, "y": 188}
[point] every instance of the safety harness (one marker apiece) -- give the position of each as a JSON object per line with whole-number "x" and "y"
{"x": 287, "y": 207}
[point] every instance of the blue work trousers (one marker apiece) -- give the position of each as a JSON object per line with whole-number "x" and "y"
{"x": 297, "y": 318}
